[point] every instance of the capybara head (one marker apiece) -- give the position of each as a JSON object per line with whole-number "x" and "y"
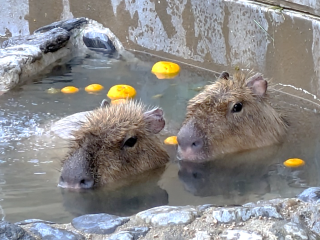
{"x": 114, "y": 142}
{"x": 228, "y": 116}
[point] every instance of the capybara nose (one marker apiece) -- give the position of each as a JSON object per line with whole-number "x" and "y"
{"x": 79, "y": 182}
{"x": 190, "y": 146}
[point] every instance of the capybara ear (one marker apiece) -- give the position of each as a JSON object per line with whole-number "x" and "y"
{"x": 104, "y": 103}
{"x": 224, "y": 75}
{"x": 257, "y": 84}
{"x": 155, "y": 120}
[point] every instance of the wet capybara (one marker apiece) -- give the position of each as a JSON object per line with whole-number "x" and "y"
{"x": 112, "y": 143}
{"x": 230, "y": 115}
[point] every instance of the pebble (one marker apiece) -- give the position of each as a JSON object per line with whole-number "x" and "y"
{"x": 45, "y": 231}
{"x": 311, "y": 194}
{"x": 168, "y": 215}
{"x": 130, "y": 234}
{"x": 98, "y": 223}
{"x": 9, "y": 231}
{"x": 240, "y": 235}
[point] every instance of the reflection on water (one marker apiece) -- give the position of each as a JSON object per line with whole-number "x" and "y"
{"x": 30, "y": 154}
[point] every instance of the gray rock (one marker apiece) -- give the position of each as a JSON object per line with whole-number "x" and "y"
{"x": 240, "y": 235}
{"x": 67, "y": 25}
{"x": 46, "y": 232}
{"x": 28, "y": 221}
{"x": 168, "y": 215}
{"x": 98, "y": 41}
{"x": 226, "y": 215}
{"x": 9, "y": 231}
{"x": 204, "y": 207}
{"x": 201, "y": 235}
{"x": 47, "y": 42}
{"x": 98, "y": 223}
{"x": 130, "y": 234}
{"x": 310, "y": 195}
{"x": 295, "y": 231}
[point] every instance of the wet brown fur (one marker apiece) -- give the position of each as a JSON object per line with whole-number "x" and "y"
{"x": 102, "y": 137}
{"x": 257, "y": 125}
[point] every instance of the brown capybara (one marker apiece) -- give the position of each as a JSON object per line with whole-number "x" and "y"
{"x": 230, "y": 115}
{"x": 114, "y": 142}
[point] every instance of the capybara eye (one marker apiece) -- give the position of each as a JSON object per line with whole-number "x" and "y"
{"x": 237, "y": 107}
{"x": 130, "y": 142}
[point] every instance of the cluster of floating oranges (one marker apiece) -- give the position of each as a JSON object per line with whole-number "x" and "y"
{"x": 120, "y": 93}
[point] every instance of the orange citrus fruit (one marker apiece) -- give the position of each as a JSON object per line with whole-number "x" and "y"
{"x": 294, "y": 162}
{"x": 70, "y": 89}
{"x": 121, "y": 91}
{"x": 165, "y": 70}
{"x": 93, "y": 88}
{"x": 171, "y": 140}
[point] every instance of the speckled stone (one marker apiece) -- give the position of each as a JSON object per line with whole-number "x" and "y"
{"x": 311, "y": 194}
{"x": 98, "y": 223}
{"x": 50, "y": 233}
{"x": 168, "y": 215}
{"x": 240, "y": 235}
{"x": 295, "y": 231}
{"x": 28, "y": 221}
{"x": 130, "y": 234}
{"x": 237, "y": 214}
{"x": 9, "y": 231}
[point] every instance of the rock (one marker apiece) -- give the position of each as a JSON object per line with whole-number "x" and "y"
{"x": 168, "y": 215}
{"x": 130, "y": 234}
{"x": 9, "y": 231}
{"x": 98, "y": 223}
{"x": 47, "y": 42}
{"x": 226, "y": 215}
{"x": 201, "y": 235}
{"x": 311, "y": 194}
{"x": 98, "y": 41}
{"x": 67, "y": 25}
{"x": 28, "y": 221}
{"x": 240, "y": 235}
{"x": 204, "y": 207}
{"x": 46, "y": 232}
{"x": 295, "y": 231}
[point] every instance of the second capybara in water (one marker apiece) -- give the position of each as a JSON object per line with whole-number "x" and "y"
{"x": 228, "y": 116}
{"x": 112, "y": 143}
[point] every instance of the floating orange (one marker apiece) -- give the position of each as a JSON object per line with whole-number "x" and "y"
{"x": 118, "y": 101}
{"x": 121, "y": 92}
{"x": 70, "y": 89}
{"x": 165, "y": 70}
{"x": 294, "y": 162}
{"x": 93, "y": 88}
{"x": 171, "y": 140}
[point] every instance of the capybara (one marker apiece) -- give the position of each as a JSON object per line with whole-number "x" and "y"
{"x": 230, "y": 115}
{"x": 112, "y": 143}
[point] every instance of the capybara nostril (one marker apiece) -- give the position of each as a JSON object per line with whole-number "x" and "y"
{"x": 86, "y": 183}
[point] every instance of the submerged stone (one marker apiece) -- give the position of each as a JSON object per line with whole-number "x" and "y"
{"x": 240, "y": 235}
{"x": 311, "y": 194}
{"x": 98, "y": 223}
{"x": 9, "y": 231}
{"x": 47, "y": 232}
{"x": 130, "y": 234}
{"x": 168, "y": 215}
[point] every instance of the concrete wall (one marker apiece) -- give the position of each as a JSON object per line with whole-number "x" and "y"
{"x": 212, "y": 34}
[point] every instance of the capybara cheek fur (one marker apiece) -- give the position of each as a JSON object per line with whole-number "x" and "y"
{"x": 116, "y": 141}
{"x": 230, "y": 115}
